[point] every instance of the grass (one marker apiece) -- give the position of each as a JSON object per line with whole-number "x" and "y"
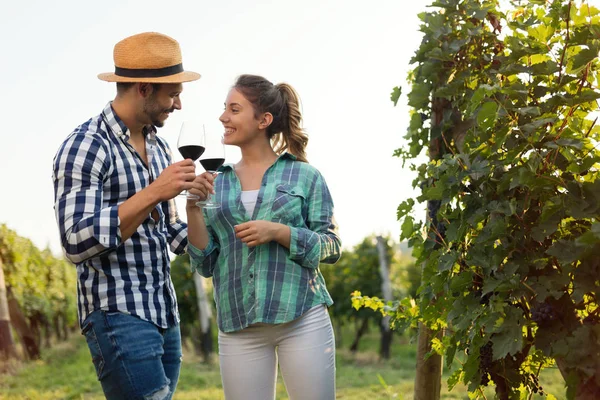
{"x": 65, "y": 372}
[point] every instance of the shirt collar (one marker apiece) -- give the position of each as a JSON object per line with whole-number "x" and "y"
{"x": 283, "y": 156}
{"x": 118, "y": 127}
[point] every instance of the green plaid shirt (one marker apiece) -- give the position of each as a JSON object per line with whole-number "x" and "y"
{"x": 269, "y": 283}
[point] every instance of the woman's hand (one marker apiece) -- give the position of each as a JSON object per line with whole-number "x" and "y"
{"x": 202, "y": 186}
{"x": 255, "y": 233}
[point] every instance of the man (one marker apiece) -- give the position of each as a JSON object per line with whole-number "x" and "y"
{"x": 114, "y": 186}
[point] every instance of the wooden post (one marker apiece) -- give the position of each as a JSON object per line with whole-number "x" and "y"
{"x": 386, "y": 290}
{"x": 205, "y": 315}
{"x": 428, "y": 380}
{"x": 19, "y": 322}
{"x": 7, "y": 344}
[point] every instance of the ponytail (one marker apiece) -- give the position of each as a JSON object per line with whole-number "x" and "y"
{"x": 292, "y": 138}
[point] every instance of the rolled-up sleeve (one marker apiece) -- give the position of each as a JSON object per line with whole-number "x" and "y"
{"x": 205, "y": 261}
{"x": 319, "y": 242}
{"x": 86, "y": 228}
{"x": 176, "y": 228}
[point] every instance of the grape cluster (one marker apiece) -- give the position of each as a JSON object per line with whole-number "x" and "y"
{"x": 591, "y": 319}
{"x": 485, "y": 379}
{"x": 486, "y": 354}
{"x": 485, "y": 299}
{"x": 535, "y": 385}
{"x": 542, "y": 314}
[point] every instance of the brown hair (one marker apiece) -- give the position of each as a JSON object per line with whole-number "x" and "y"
{"x": 123, "y": 87}
{"x": 281, "y": 101}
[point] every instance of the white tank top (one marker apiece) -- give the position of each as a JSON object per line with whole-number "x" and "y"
{"x": 249, "y": 200}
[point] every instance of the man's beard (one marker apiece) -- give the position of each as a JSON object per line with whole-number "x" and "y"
{"x": 153, "y": 113}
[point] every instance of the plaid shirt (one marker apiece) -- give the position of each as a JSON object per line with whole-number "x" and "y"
{"x": 269, "y": 283}
{"x": 95, "y": 170}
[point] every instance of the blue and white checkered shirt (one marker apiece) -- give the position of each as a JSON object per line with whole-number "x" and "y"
{"x": 95, "y": 170}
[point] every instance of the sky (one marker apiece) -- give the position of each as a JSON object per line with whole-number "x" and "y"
{"x": 343, "y": 57}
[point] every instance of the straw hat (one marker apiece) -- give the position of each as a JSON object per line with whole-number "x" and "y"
{"x": 148, "y": 57}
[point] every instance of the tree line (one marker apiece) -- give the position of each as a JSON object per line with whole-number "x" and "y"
{"x": 37, "y": 297}
{"x": 38, "y": 304}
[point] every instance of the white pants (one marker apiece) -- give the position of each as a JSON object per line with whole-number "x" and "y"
{"x": 305, "y": 349}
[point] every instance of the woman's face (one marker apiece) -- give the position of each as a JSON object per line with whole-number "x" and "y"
{"x": 238, "y": 119}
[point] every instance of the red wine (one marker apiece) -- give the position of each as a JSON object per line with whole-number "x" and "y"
{"x": 191, "y": 151}
{"x": 212, "y": 164}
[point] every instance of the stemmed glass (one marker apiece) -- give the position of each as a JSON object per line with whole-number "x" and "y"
{"x": 191, "y": 145}
{"x": 211, "y": 160}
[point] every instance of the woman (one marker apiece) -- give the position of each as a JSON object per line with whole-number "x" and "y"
{"x": 263, "y": 247}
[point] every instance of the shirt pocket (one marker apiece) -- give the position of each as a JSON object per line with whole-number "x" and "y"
{"x": 289, "y": 204}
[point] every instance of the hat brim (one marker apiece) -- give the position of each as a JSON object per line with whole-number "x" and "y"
{"x": 186, "y": 76}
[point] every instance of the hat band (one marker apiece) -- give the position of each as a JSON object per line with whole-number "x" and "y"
{"x": 148, "y": 73}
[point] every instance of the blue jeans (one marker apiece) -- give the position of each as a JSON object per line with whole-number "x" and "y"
{"x": 134, "y": 359}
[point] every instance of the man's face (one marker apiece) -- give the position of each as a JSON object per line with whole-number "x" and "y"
{"x": 160, "y": 103}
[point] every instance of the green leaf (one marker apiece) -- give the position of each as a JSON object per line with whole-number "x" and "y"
{"x": 565, "y": 252}
{"x": 490, "y": 285}
{"x": 433, "y": 192}
{"x": 455, "y": 378}
{"x": 541, "y": 32}
{"x": 404, "y": 208}
{"x": 479, "y": 168}
{"x": 481, "y": 93}
{"x": 455, "y": 231}
{"x": 407, "y": 227}
{"x": 446, "y": 262}
{"x": 549, "y": 220}
{"x": 509, "y": 340}
{"x": 540, "y": 91}
{"x": 529, "y": 111}
{"x": 460, "y": 282}
{"x": 586, "y": 96}
{"x": 510, "y": 69}
{"x": 382, "y": 381}
{"x": 591, "y": 237}
{"x": 525, "y": 178}
{"x": 536, "y": 124}
{"x": 574, "y": 143}
{"x": 545, "y": 68}
{"x": 395, "y": 96}
{"x": 419, "y": 96}
{"x": 581, "y": 59}
{"x": 486, "y": 117}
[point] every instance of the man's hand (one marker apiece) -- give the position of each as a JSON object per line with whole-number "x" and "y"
{"x": 255, "y": 233}
{"x": 174, "y": 179}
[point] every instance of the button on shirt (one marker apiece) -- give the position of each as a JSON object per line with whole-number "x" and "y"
{"x": 95, "y": 170}
{"x": 269, "y": 283}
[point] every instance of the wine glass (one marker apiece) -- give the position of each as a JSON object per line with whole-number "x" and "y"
{"x": 211, "y": 160}
{"x": 191, "y": 145}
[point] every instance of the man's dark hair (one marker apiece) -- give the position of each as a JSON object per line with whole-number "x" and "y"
{"x": 123, "y": 87}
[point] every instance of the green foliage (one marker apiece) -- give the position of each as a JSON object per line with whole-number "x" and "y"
{"x": 512, "y": 236}
{"x": 43, "y": 285}
{"x": 183, "y": 281}
{"x": 358, "y": 269}
{"x": 357, "y": 375}
{"x": 187, "y": 302}
{"x": 395, "y": 95}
